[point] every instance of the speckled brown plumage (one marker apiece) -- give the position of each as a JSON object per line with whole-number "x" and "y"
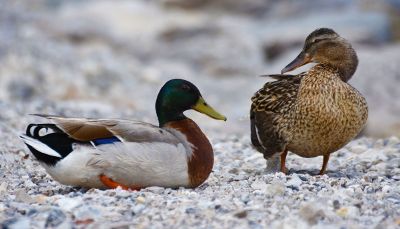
{"x": 269, "y": 104}
{"x": 314, "y": 113}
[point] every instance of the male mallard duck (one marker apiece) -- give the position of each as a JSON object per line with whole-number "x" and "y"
{"x": 314, "y": 113}
{"x": 106, "y": 153}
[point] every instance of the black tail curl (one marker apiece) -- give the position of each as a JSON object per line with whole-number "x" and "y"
{"x": 57, "y": 140}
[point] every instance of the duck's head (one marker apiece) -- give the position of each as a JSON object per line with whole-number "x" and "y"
{"x": 325, "y": 46}
{"x": 177, "y": 96}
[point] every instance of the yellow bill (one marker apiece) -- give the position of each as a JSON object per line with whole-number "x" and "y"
{"x": 202, "y": 107}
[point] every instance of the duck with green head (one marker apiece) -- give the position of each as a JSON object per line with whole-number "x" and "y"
{"x": 107, "y": 153}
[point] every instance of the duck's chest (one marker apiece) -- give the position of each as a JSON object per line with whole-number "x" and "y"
{"x": 201, "y": 158}
{"x": 328, "y": 113}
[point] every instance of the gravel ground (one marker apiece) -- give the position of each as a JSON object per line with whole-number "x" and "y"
{"x": 360, "y": 190}
{"x": 99, "y": 59}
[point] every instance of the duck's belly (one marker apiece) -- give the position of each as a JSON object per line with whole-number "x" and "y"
{"x": 326, "y": 127}
{"x": 308, "y": 143}
{"x": 130, "y": 164}
{"x": 74, "y": 171}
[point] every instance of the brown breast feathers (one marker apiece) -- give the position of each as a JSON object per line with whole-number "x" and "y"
{"x": 202, "y": 160}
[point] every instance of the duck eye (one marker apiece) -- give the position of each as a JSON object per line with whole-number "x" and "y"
{"x": 317, "y": 40}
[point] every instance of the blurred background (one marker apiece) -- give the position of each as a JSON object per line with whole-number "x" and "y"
{"x": 110, "y": 58}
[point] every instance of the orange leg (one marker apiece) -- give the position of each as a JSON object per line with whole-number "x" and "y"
{"x": 324, "y": 164}
{"x": 108, "y": 182}
{"x": 283, "y": 161}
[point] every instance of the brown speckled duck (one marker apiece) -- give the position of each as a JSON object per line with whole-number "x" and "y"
{"x": 314, "y": 113}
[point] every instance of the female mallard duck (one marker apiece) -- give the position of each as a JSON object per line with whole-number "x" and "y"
{"x": 314, "y": 113}
{"x": 107, "y": 153}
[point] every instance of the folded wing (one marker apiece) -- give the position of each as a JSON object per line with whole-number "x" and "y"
{"x": 83, "y": 129}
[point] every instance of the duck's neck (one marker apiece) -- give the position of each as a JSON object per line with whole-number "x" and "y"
{"x": 165, "y": 117}
{"x": 348, "y": 66}
{"x": 201, "y": 159}
{"x": 167, "y": 113}
{"x": 346, "y": 63}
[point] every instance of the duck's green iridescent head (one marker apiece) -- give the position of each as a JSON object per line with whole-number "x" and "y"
{"x": 177, "y": 96}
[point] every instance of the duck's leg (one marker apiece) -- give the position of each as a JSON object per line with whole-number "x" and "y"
{"x": 324, "y": 164}
{"x": 109, "y": 183}
{"x": 283, "y": 161}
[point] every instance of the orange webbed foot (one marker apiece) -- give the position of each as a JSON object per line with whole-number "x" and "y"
{"x": 283, "y": 161}
{"x": 284, "y": 170}
{"x": 109, "y": 183}
{"x": 324, "y": 164}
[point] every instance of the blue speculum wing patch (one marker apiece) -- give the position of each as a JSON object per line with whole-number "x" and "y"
{"x": 102, "y": 141}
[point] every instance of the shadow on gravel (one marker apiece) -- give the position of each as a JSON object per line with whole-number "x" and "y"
{"x": 329, "y": 173}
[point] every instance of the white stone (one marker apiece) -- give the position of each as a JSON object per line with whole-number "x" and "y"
{"x": 295, "y": 181}
{"x": 68, "y": 204}
{"x": 259, "y": 185}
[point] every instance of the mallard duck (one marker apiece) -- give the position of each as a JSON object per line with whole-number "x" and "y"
{"x": 314, "y": 113}
{"x": 107, "y": 153}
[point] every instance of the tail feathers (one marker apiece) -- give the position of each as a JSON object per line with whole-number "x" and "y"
{"x": 47, "y": 142}
{"x": 278, "y": 76}
{"x": 33, "y": 130}
{"x": 39, "y": 146}
{"x": 296, "y": 78}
